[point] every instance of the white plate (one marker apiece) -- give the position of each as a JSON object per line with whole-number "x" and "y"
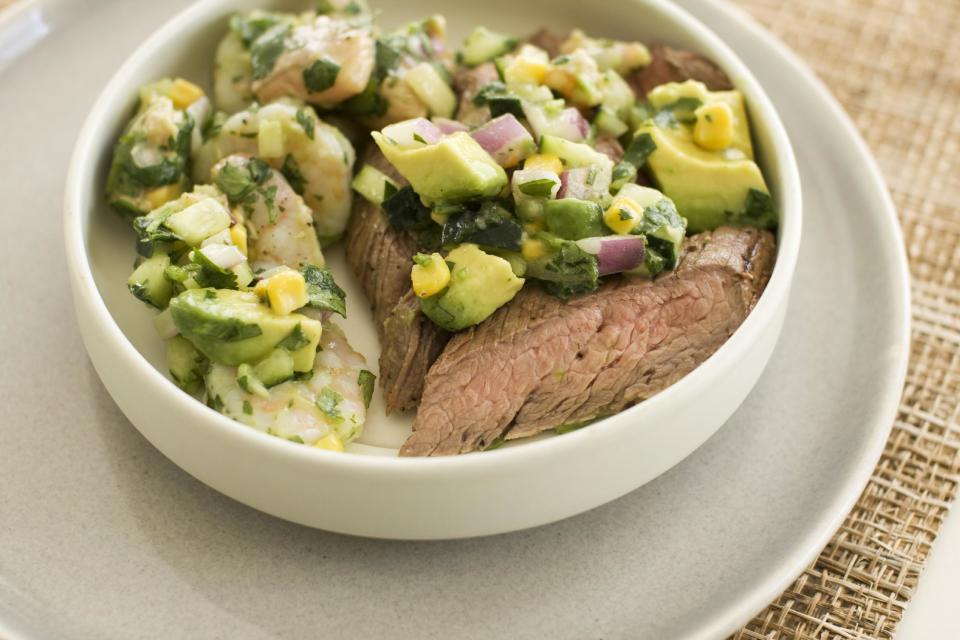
{"x": 100, "y": 536}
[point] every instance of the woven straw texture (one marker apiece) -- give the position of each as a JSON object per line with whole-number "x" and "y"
{"x": 892, "y": 63}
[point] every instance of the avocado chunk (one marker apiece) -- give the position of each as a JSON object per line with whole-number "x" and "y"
{"x": 678, "y": 101}
{"x": 454, "y": 169}
{"x": 234, "y": 327}
{"x": 709, "y": 188}
{"x": 480, "y": 284}
{"x": 573, "y": 219}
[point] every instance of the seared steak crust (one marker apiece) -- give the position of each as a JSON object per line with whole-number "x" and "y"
{"x": 676, "y": 65}
{"x": 539, "y": 362}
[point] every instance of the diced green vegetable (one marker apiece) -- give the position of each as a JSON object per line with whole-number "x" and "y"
{"x": 187, "y": 365}
{"x": 573, "y": 219}
{"x": 148, "y": 283}
{"x": 573, "y": 154}
{"x": 566, "y": 270}
{"x": 483, "y": 45}
{"x": 373, "y": 184}
{"x": 490, "y": 227}
{"x": 199, "y": 221}
{"x": 432, "y": 90}
{"x": 275, "y": 368}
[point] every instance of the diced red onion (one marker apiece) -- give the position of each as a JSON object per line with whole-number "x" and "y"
{"x": 578, "y": 126}
{"x": 615, "y": 254}
{"x": 448, "y": 126}
{"x": 505, "y": 139}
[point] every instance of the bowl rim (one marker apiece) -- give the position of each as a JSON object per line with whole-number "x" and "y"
{"x": 80, "y": 182}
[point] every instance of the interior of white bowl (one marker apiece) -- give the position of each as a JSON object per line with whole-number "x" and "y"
{"x": 104, "y": 243}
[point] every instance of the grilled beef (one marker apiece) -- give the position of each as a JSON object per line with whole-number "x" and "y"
{"x": 676, "y": 65}
{"x": 539, "y": 362}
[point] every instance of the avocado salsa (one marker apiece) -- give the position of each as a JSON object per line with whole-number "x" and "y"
{"x": 549, "y": 171}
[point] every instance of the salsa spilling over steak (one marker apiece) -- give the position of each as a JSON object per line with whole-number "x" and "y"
{"x": 548, "y": 229}
{"x": 541, "y": 363}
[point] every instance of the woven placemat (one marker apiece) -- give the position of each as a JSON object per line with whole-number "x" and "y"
{"x": 893, "y": 65}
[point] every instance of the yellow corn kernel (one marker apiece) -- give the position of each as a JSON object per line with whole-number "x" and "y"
{"x": 430, "y": 275}
{"x": 561, "y": 80}
{"x": 330, "y": 442}
{"x": 533, "y": 250}
{"x": 714, "y": 128}
{"x": 525, "y": 71}
{"x": 270, "y": 141}
{"x": 623, "y": 215}
{"x": 238, "y": 235}
{"x": 162, "y": 195}
{"x": 544, "y": 162}
{"x": 286, "y": 291}
{"x": 439, "y": 218}
{"x": 184, "y": 93}
{"x": 532, "y": 227}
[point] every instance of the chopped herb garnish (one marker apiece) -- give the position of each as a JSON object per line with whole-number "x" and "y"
{"x": 321, "y": 75}
{"x": 328, "y": 401}
{"x": 291, "y": 171}
{"x": 366, "y": 380}
{"x": 322, "y": 291}
{"x": 267, "y": 49}
{"x": 306, "y": 122}
{"x": 247, "y": 407}
{"x": 295, "y": 340}
{"x": 540, "y": 188}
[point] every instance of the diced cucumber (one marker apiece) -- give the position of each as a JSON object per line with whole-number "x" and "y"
{"x": 198, "y": 222}
{"x": 373, "y": 184}
{"x": 607, "y": 122}
{"x": 186, "y": 364}
{"x": 275, "y": 368}
{"x": 148, "y": 283}
{"x": 483, "y": 45}
{"x": 432, "y": 90}
{"x": 244, "y": 273}
{"x": 249, "y": 382}
{"x": 573, "y": 154}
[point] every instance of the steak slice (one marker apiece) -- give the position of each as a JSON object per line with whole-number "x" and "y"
{"x": 410, "y": 342}
{"x": 380, "y": 258}
{"x": 676, "y": 65}
{"x": 539, "y": 362}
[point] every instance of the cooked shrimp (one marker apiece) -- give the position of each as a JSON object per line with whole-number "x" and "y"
{"x": 324, "y": 62}
{"x": 330, "y": 402}
{"x": 316, "y": 158}
{"x": 279, "y": 224}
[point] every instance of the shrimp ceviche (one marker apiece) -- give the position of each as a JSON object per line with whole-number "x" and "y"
{"x": 591, "y": 197}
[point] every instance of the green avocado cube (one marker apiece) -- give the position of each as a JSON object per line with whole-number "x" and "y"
{"x": 454, "y": 169}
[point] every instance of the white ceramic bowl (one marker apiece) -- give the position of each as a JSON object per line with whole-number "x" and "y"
{"x": 368, "y": 491}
